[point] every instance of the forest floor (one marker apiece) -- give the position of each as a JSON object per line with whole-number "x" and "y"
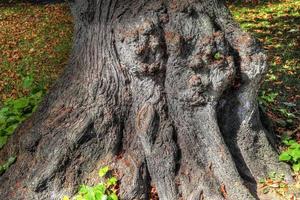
{"x": 35, "y": 41}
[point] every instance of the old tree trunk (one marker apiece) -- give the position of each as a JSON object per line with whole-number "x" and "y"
{"x": 164, "y": 92}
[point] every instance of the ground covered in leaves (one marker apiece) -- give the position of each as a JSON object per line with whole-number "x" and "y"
{"x": 35, "y": 41}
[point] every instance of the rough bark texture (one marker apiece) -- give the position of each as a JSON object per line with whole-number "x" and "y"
{"x": 164, "y": 92}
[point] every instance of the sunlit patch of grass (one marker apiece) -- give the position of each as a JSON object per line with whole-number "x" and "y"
{"x": 276, "y": 25}
{"x": 35, "y": 40}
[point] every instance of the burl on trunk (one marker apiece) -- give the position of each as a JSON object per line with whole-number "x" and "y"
{"x": 162, "y": 91}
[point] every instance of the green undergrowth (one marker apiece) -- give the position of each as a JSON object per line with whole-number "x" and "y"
{"x": 15, "y": 111}
{"x": 291, "y": 154}
{"x": 104, "y": 190}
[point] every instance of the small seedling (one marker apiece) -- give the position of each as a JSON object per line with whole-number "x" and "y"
{"x": 292, "y": 154}
{"x": 266, "y": 99}
{"x": 218, "y": 56}
{"x": 102, "y": 191}
{"x": 14, "y": 112}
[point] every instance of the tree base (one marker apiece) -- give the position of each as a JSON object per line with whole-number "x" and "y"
{"x": 164, "y": 93}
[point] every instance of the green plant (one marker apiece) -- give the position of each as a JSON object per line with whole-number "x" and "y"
{"x": 218, "y": 56}
{"x": 266, "y": 99}
{"x": 102, "y": 191}
{"x": 286, "y": 113}
{"x": 15, "y": 111}
{"x": 28, "y": 82}
{"x": 291, "y": 154}
{"x": 6, "y": 165}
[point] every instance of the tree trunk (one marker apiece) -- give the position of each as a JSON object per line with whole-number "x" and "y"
{"x": 162, "y": 91}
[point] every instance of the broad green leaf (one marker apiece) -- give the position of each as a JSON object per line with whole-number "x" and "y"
{"x": 98, "y": 195}
{"x": 2, "y": 120}
{"x": 91, "y": 194}
{"x": 10, "y": 130}
{"x": 262, "y": 180}
{"x": 3, "y": 140}
{"x": 112, "y": 181}
{"x": 8, "y": 102}
{"x": 13, "y": 120}
{"x": 103, "y": 171}
{"x": 83, "y": 189}
{"x": 295, "y": 154}
{"x": 36, "y": 98}
{"x": 294, "y": 145}
{"x": 113, "y": 196}
{"x": 104, "y": 197}
{"x": 284, "y": 156}
{"x": 21, "y": 103}
{"x": 79, "y": 197}
{"x": 296, "y": 167}
{"x": 2, "y": 123}
{"x": 101, "y": 191}
{"x": 65, "y": 198}
{"x": 27, "y": 82}
{"x": 100, "y": 188}
{"x": 4, "y": 111}
{"x": 286, "y": 140}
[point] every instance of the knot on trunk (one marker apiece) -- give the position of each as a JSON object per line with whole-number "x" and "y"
{"x": 209, "y": 51}
{"x": 206, "y": 63}
{"x": 145, "y": 47}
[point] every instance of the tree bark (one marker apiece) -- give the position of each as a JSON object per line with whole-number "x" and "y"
{"x": 162, "y": 91}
